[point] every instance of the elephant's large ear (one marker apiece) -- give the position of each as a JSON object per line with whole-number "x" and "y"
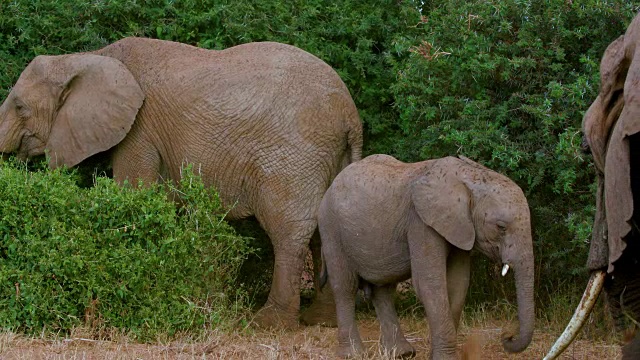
{"x": 617, "y": 171}
{"x": 605, "y": 109}
{"x": 443, "y": 203}
{"x": 97, "y": 104}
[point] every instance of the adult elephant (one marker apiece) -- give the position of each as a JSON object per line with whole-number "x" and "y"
{"x": 612, "y": 133}
{"x": 268, "y": 124}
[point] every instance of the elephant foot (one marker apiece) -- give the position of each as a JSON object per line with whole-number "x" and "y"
{"x": 441, "y": 356}
{"x": 320, "y": 314}
{"x": 271, "y": 318}
{"x": 349, "y": 351}
{"x": 402, "y": 350}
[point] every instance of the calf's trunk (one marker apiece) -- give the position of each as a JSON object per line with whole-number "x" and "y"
{"x": 524, "y": 277}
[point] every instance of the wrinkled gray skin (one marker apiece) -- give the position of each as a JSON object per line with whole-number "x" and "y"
{"x": 383, "y": 221}
{"x": 612, "y": 134}
{"x": 267, "y": 124}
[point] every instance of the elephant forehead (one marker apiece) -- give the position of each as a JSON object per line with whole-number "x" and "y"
{"x": 33, "y": 95}
{"x": 505, "y": 203}
{"x": 493, "y": 208}
{"x": 495, "y": 185}
{"x": 43, "y": 69}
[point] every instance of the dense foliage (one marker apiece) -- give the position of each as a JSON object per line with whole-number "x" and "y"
{"x": 506, "y": 83}
{"x": 502, "y": 82}
{"x": 110, "y": 257}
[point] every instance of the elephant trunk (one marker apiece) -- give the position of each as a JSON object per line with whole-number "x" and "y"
{"x": 3, "y": 131}
{"x": 524, "y": 276}
{"x": 7, "y": 131}
{"x": 599, "y": 249}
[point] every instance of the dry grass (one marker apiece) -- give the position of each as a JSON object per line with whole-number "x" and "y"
{"x": 305, "y": 343}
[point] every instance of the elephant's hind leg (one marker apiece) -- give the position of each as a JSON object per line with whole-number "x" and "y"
{"x": 344, "y": 283}
{"x": 392, "y": 337}
{"x": 290, "y": 241}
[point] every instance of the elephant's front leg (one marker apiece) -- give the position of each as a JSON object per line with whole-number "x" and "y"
{"x": 458, "y": 273}
{"x": 429, "y": 253}
{"x": 136, "y": 159}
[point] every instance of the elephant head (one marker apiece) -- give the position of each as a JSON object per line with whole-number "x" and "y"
{"x": 71, "y": 106}
{"x": 474, "y": 207}
{"x": 611, "y": 128}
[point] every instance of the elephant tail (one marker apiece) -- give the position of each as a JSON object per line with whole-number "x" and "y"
{"x": 323, "y": 272}
{"x": 367, "y": 288}
{"x": 354, "y": 138}
{"x": 353, "y": 152}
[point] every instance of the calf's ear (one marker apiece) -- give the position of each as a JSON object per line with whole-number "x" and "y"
{"x": 443, "y": 203}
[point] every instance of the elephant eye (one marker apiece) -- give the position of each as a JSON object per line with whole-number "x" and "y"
{"x": 21, "y": 108}
{"x": 614, "y": 99}
{"x": 586, "y": 149}
{"x": 501, "y": 226}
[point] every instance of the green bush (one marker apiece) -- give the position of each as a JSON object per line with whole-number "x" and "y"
{"x": 506, "y": 83}
{"x": 114, "y": 257}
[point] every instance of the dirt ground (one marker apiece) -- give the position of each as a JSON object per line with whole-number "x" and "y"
{"x": 305, "y": 343}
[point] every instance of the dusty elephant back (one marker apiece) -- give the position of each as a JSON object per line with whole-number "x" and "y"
{"x": 268, "y": 112}
{"x": 151, "y": 60}
{"x": 377, "y": 177}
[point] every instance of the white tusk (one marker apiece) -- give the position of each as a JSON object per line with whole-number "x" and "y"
{"x": 579, "y": 316}
{"x": 505, "y": 268}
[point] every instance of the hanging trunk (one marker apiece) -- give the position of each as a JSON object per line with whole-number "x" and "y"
{"x": 599, "y": 248}
{"x": 524, "y": 276}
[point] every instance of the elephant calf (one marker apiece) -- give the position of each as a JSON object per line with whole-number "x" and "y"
{"x": 383, "y": 221}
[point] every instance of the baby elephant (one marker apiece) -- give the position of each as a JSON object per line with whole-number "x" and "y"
{"x": 383, "y": 221}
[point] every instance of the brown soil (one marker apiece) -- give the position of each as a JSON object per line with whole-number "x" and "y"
{"x": 305, "y": 343}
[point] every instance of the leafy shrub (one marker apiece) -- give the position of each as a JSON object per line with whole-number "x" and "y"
{"x": 506, "y": 83}
{"x": 114, "y": 257}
